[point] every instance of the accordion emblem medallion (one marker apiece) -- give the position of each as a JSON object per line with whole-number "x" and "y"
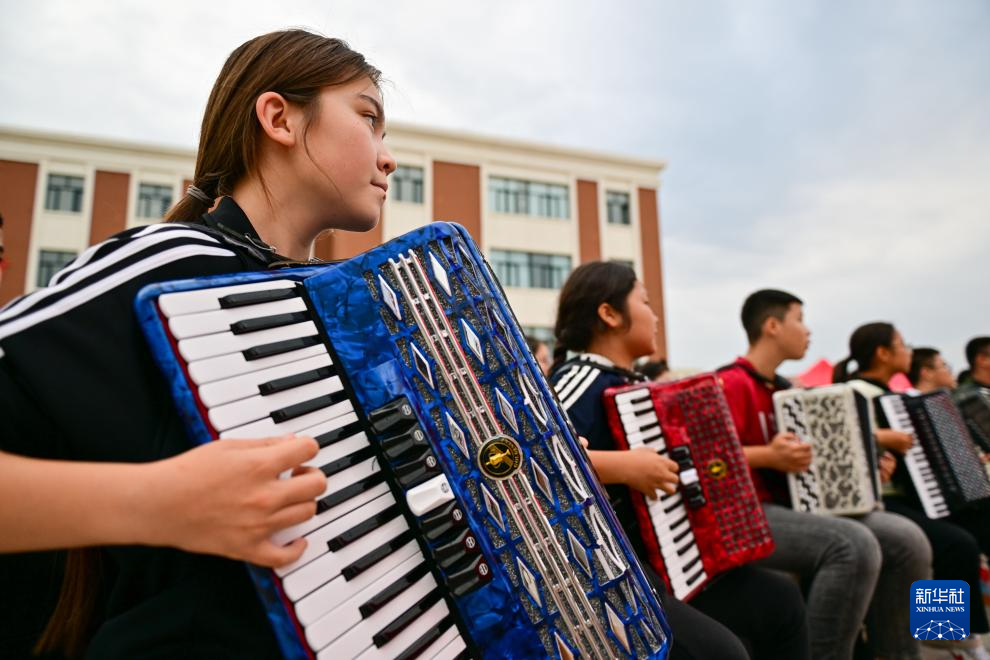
{"x": 717, "y": 468}
{"x": 500, "y": 457}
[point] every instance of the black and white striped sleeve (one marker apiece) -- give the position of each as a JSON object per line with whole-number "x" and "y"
{"x": 121, "y": 263}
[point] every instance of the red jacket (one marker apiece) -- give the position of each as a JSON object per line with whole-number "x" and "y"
{"x": 750, "y": 398}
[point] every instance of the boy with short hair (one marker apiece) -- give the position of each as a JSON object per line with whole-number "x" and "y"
{"x": 840, "y": 560}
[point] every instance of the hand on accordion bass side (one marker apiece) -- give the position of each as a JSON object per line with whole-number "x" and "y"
{"x": 887, "y": 464}
{"x": 223, "y": 498}
{"x": 785, "y": 453}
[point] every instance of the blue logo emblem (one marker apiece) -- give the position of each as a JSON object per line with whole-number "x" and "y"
{"x": 940, "y": 610}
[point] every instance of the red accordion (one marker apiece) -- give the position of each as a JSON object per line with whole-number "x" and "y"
{"x": 713, "y": 522}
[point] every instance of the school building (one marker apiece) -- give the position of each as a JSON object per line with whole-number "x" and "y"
{"x": 536, "y": 210}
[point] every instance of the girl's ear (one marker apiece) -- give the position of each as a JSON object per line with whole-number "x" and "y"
{"x": 882, "y": 355}
{"x": 277, "y": 118}
{"x": 610, "y": 316}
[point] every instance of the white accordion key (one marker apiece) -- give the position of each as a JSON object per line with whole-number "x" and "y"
{"x": 204, "y": 300}
{"x": 243, "y": 386}
{"x": 221, "y": 320}
{"x": 222, "y": 343}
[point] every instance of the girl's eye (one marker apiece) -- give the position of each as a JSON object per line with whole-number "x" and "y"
{"x": 372, "y": 120}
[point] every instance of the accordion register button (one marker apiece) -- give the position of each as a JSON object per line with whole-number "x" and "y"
{"x": 468, "y": 576}
{"x": 688, "y": 477}
{"x": 391, "y": 415}
{"x": 429, "y": 495}
{"x": 440, "y": 521}
{"x": 398, "y": 444}
{"x": 454, "y": 551}
{"x": 417, "y": 469}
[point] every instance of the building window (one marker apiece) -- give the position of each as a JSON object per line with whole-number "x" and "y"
{"x": 50, "y": 262}
{"x": 547, "y": 200}
{"x": 530, "y": 270}
{"x": 64, "y": 193}
{"x": 407, "y": 184}
{"x": 153, "y": 201}
{"x": 617, "y": 207}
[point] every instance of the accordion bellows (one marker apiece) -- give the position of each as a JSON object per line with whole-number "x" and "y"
{"x": 460, "y": 516}
{"x": 835, "y": 420}
{"x": 714, "y": 521}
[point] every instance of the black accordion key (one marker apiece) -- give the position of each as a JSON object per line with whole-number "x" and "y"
{"x": 344, "y": 494}
{"x": 351, "y": 571}
{"x": 366, "y": 527}
{"x": 389, "y": 632}
{"x": 267, "y": 322}
{"x": 256, "y": 297}
{"x": 338, "y": 434}
{"x": 341, "y": 464}
{"x": 383, "y": 597}
{"x": 423, "y": 643}
{"x": 295, "y": 380}
{"x": 279, "y": 347}
{"x": 306, "y": 407}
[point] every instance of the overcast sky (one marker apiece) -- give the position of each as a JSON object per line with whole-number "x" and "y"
{"x": 839, "y": 149}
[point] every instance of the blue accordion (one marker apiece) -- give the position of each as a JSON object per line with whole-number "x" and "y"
{"x": 460, "y": 516}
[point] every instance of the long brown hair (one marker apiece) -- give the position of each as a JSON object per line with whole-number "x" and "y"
{"x": 298, "y": 65}
{"x": 295, "y": 63}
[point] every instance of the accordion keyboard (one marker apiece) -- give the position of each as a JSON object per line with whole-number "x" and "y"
{"x": 681, "y": 555}
{"x": 922, "y": 476}
{"x": 363, "y": 587}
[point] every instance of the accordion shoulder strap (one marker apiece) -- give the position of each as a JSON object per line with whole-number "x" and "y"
{"x": 778, "y": 382}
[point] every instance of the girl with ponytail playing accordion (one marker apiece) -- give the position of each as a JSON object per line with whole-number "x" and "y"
{"x": 604, "y": 317}
{"x": 879, "y": 352}
{"x": 292, "y": 145}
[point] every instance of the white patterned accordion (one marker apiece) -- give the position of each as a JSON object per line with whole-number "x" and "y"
{"x": 843, "y": 478}
{"x": 945, "y": 469}
{"x": 460, "y": 516}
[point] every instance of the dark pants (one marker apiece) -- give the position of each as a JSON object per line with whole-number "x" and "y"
{"x": 955, "y": 555}
{"x": 763, "y": 608}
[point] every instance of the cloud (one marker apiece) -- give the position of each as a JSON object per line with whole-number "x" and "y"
{"x": 834, "y": 147}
